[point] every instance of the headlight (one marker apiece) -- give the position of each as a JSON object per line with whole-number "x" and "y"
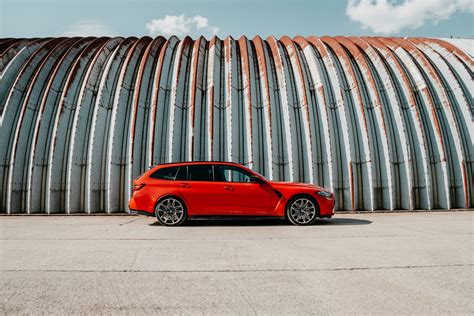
{"x": 325, "y": 194}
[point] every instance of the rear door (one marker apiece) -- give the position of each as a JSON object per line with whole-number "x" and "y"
{"x": 198, "y": 189}
{"x": 239, "y": 196}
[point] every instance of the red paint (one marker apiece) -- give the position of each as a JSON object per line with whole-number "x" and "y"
{"x": 216, "y": 198}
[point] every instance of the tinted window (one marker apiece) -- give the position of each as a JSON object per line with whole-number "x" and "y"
{"x": 168, "y": 173}
{"x": 200, "y": 173}
{"x": 231, "y": 174}
{"x": 182, "y": 174}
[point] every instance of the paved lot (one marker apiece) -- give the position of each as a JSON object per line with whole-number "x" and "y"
{"x": 378, "y": 263}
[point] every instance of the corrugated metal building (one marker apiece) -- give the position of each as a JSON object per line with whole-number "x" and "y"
{"x": 386, "y": 123}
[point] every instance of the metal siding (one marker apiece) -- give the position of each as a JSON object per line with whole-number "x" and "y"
{"x": 386, "y": 123}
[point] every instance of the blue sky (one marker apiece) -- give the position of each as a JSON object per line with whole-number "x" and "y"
{"x": 41, "y": 18}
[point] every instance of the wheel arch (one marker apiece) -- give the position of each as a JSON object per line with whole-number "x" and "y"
{"x": 305, "y": 195}
{"x": 168, "y": 195}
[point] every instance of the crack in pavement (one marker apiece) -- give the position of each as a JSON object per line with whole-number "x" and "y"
{"x": 128, "y": 222}
{"x": 241, "y": 271}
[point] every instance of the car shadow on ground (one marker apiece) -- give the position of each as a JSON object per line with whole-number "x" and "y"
{"x": 266, "y": 222}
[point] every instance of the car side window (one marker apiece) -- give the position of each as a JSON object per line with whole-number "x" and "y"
{"x": 200, "y": 173}
{"x": 226, "y": 173}
{"x": 168, "y": 173}
{"x": 182, "y": 174}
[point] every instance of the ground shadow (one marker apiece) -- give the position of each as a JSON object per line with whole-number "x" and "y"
{"x": 342, "y": 221}
{"x": 207, "y": 222}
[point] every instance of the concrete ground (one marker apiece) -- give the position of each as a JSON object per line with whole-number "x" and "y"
{"x": 373, "y": 263}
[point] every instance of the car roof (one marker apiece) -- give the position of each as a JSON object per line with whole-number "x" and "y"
{"x": 170, "y": 164}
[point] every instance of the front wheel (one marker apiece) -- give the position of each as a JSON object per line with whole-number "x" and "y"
{"x": 170, "y": 211}
{"x": 302, "y": 210}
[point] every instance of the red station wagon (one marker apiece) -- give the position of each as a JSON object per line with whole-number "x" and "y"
{"x": 177, "y": 191}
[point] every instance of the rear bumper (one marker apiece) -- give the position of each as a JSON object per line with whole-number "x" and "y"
{"x": 140, "y": 206}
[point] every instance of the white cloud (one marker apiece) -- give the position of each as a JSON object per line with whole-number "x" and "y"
{"x": 88, "y": 28}
{"x": 181, "y": 25}
{"x": 391, "y": 16}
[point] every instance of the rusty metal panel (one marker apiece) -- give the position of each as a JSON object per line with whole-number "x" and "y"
{"x": 449, "y": 128}
{"x": 20, "y": 111}
{"x": 38, "y": 160}
{"x": 60, "y": 134}
{"x": 77, "y": 161}
{"x": 430, "y": 122}
{"x": 321, "y": 138}
{"x": 300, "y": 112}
{"x": 265, "y": 152}
{"x": 460, "y": 100}
{"x": 284, "y": 143}
{"x": 383, "y": 91}
{"x": 386, "y": 123}
{"x": 343, "y": 184}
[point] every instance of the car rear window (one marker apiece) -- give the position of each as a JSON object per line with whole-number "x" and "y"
{"x": 168, "y": 173}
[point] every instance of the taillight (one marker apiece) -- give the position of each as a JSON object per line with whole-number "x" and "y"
{"x": 137, "y": 187}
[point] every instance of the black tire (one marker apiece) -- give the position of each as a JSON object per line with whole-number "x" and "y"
{"x": 171, "y": 211}
{"x": 298, "y": 216}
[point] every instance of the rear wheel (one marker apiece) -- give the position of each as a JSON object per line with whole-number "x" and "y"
{"x": 302, "y": 210}
{"x": 170, "y": 211}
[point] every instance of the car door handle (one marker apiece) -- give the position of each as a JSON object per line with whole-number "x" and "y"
{"x": 184, "y": 185}
{"x": 229, "y": 188}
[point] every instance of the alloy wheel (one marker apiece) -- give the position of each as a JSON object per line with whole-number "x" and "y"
{"x": 302, "y": 211}
{"x": 170, "y": 211}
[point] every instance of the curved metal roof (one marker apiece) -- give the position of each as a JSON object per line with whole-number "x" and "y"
{"x": 386, "y": 123}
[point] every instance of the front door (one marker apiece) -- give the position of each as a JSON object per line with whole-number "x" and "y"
{"x": 238, "y": 196}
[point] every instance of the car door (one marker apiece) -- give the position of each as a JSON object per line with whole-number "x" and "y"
{"x": 239, "y": 196}
{"x": 198, "y": 189}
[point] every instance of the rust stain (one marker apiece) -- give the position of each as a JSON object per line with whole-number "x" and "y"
{"x": 351, "y": 185}
{"x": 301, "y": 41}
{"x": 156, "y": 92}
{"x": 136, "y": 95}
{"x": 275, "y": 53}
{"x": 262, "y": 66}
{"x": 360, "y": 60}
{"x": 432, "y": 74}
{"x": 465, "y": 184}
{"x": 347, "y": 66}
{"x": 192, "y": 100}
{"x": 428, "y": 96}
{"x": 228, "y": 44}
{"x": 382, "y": 46}
{"x": 211, "y": 120}
{"x": 316, "y": 42}
{"x": 451, "y": 48}
{"x": 244, "y": 53}
{"x": 291, "y": 48}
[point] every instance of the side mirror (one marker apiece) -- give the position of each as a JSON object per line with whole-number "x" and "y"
{"x": 256, "y": 179}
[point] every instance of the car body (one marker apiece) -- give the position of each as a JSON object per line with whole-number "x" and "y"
{"x": 207, "y": 189}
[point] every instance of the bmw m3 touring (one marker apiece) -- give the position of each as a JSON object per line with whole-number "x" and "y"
{"x": 177, "y": 191}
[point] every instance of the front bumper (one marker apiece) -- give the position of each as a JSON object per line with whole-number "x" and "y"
{"x": 326, "y": 206}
